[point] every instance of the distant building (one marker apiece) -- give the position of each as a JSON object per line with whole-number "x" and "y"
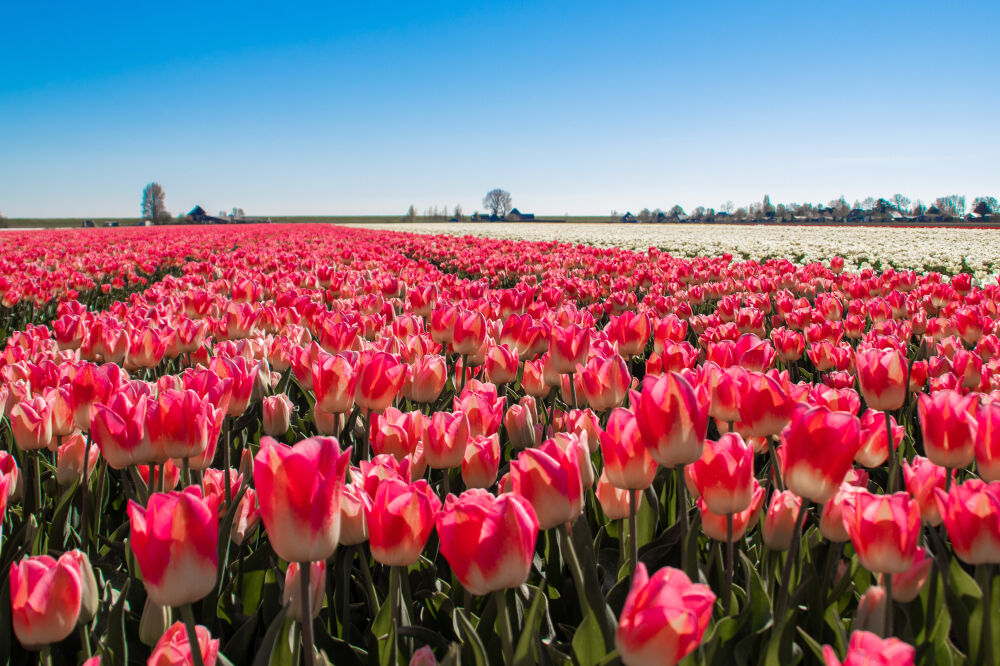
{"x": 630, "y": 218}
{"x": 517, "y": 216}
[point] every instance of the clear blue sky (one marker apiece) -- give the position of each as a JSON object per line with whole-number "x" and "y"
{"x": 579, "y": 107}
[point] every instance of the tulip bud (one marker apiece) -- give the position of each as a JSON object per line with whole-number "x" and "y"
{"x": 481, "y": 462}
{"x": 154, "y": 622}
{"x": 871, "y": 610}
{"x": 424, "y": 657}
{"x": 907, "y": 585}
{"x": 69, "y": 459}
{"x": 354, "y": 505}
{"x": 292, "y": 594}
{"x": 45, "y": 599}
{"x": 614, "y": 501}
{"x": 277, "y": 414}
{"x": 779, "y": 523}
{"x": 89, "y": 598}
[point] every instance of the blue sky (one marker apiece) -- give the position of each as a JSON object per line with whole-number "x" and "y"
{"x": 578, "y": 107}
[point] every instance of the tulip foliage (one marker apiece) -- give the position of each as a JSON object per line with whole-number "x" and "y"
{"x": 313, "y": 444}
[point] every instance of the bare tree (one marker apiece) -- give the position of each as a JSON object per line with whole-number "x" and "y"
{"x": 645, "y": 215}
{"x": 154, "y": 204}
{"x": 867, "y": 203}
{"x": 411, "y": 214}
{"x": 238, "y": 214}
{"x": 458, "y": 212}
{"x": 615, "y": 216}
{"x": 900, "y": 202}
{"x": 953, "y": 204}
{"x": 740, "y": 213}
{"x": 676, "y": 211}
{"x": 497, "y": 201}
{"x": 728, "y": 207}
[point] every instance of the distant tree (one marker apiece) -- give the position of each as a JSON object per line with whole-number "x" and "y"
{"x": 676, "y": 211}
{"x": 238, "y": 214}
{"x": 918, "y": 208}
{"x": 728, "y": 207}
{"x": 953, "y": 204}
{"x": 458, "y": 212}
{"x": 867, "y": 204}
{"x": 411, "y": 214}
{"x": 900, "y": 202}
{"x": 709, "y": 212}
{"x": 698, "y": 213}
{"x": 3, "y": 221}
{"x": 645, "y": 215}
{"x": 840, "y": 207}
{"x": 981, "y": 206}
{"x": 154, "y": 204}
{"x": 497, "y": 201}
{"x": 883, "y": 205}
{"x": 780, "y": 211}
{"x": 615, "y": 216}
{"x": 740, "y": 213}
{"x": 658, "y": 214}
{"x": 766, "y": 206}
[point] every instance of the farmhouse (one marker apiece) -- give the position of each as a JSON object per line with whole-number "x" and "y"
{"x": 517, "y": 216}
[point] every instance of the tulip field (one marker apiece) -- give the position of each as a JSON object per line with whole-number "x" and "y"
{"x": 312, "y": 444}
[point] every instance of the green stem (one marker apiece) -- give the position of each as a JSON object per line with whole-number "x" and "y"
{"x": 37, "y": 479}
{"x": 728, "y": 595}
{"x": 786, "y": 574}
{"x": 573, "y": 562}
{"x": 893, "y": 458}
{"x": 394, "y": 602}
{"x": 228, "y": 426}
{"x": 85, "y": 641}
{"x": 572, "y": 390}
{"x": 506, "y": 632}
{"x": 84, "y": 503}
{"x": 188, "y": 615}
{"x": 682, "y": 515}
{"x": 772, "y": 448}
{"x": 305, "y": 568}
{"x": 45, "y": 658}
{"x": 465, "y": 359}
{"x": 888, "y": 605}
{"x": 984, "y": 572}
{"x": 633, "y": 533}
{"x": 186, "y": 472}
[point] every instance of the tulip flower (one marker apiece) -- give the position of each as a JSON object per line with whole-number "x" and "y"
{"x": 119, "y": 430}
{"x": 831, "y": 522}
{"x": 354, "y": 507}
{"x": 182, "y": 424}
{"x": 426, "y": 379}
{"x": 874, "y": 449}
{"x": 971, "y": 514}
{"x": 627, "y": 462}
{"x": 243, "y": 375}
{"x": 70, "y": 459}
{"x": 277, "y": 415}
{"x": 568, "y": 347}
{"x": 723, "y": 475}
{"x": 884, "y": 530}
{"x": 549, "y": 478}
{"x": 520, "y": 421}
{"x": 664, "y": 618}
{"x": 948, "y": 423}
{"x": 31, "y": 423}
{"x": 614, "y": 501}
{"x": 906, "y": 585}
{"x": 988, "y": 441}
{"x": 291, "y": 595}
{"x": 882, "y": 376}
{"x": 604, "y": 381}
{"x": 488, "y": 541}
{"x": 174, "y": 648}
{"x": 446, "y": 438}
{"x": 819, "y": 447}
{"x": 764, "y": 406}
{"x": 501, "y": 364}
{"x": 400, "y": 521}
{"x": 299, "y": 489}
{"x": 921, "y": 478}
{"x": 246, "y": 518}
{"x": 714, "y": 525}
{"x": 484, "y": 409}
{"x": 45, "y": 599}
{"x": 673, "y": 418}
{"x": 334, "y": 382}
{"x": 380, "y": 377}
{"x": 779, "y": 523}
{"x": 175, "y": 541}
{"x": 396, "y": 433}
{"x": 868, "y": 649}
{"x": 481, "y": 461}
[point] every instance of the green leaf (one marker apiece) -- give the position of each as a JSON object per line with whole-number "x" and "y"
{"x": 270, "y": 639}
{"x": 240, "y": 646}
{"x": 116, "y": 642}
{"x": 523, "y": 652}
{"x": 588, "y": 643}
{"x": 813, "y": 644}
{"x": 470, "y": 639}
{"x": 6, "y": 629}
{"x": 58, "y": 527}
